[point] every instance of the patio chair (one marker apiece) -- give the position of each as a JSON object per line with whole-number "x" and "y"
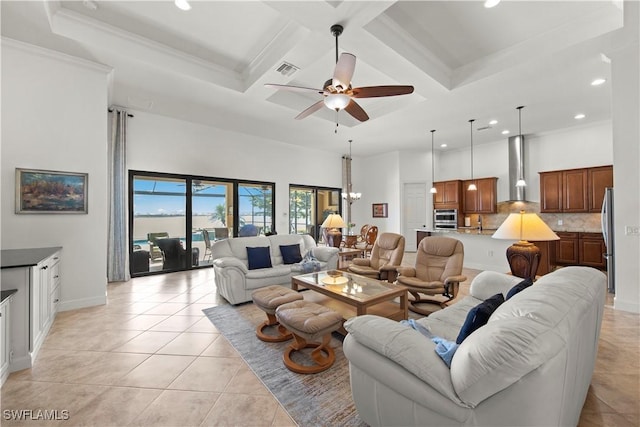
{"x": 173, "y": 254}
{"x": 154, "y": 250}
{"x": 207, "y": 245}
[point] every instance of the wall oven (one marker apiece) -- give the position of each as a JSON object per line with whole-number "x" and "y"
{"x": 445, "y": 219}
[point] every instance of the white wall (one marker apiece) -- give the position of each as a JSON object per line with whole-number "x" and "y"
{"x": 54, "y": 117}
{"x": 626, "y": 172}
{"x": 377, "y": 178}
{"x": 162, "y": 144}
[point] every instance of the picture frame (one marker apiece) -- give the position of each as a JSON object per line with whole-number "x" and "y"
{"x": 379, "y": 210}
{"x": 51, "y": 192}
{"x": 334, "y": 198}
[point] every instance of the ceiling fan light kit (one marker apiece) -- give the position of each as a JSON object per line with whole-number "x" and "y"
{"x": 337, "y": 92}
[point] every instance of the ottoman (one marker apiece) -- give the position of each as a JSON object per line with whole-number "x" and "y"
{"x": 308, "y": 322}
{"x": 268, "y": 299}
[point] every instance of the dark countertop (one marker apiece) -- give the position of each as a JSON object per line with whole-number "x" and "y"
{"x": 471, "y": 231}
{"x": 6, "y": 294}
{"x": 14, "y": 258}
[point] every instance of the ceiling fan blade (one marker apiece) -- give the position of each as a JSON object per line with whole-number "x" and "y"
{"x": 344, "y": 71}
{"x": 356, "y": 111}
{"x": 293, "y": 88}
{"x": 315, "y": 107}
{"x": 377, "y": 91}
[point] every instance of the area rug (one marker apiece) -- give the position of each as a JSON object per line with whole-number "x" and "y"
{"x": 322, "y": 399}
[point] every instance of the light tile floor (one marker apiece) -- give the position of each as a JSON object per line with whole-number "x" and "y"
{"x": 151, "y": 357}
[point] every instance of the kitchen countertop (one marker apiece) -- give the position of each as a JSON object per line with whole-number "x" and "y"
{"x": 489, "y": 232}
{"x": 13, "y": 258}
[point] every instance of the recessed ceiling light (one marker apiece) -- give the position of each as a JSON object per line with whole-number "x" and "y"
{"x": 443, "y": 145}
{"x": 579, "y": 116}
{"x": 493, "y": 122}
{"x": 505, "y": 132}
{"x": 182, "y": 4}
{"x": 491, "y": 3}
{"x": 598, "y": 82}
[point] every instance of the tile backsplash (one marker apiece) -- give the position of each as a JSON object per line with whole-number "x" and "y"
{"x": 585, "y": 222}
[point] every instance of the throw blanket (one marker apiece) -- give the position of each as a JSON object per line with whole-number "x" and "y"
{"x": 445, "y": 348}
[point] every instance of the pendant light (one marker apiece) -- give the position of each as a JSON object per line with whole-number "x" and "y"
{"x": 521, "y": 182}
{"x": 472, "y": 186}
{"x": 434, "y": 190}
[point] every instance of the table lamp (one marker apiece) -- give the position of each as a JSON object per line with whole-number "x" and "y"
{"x": 523, "y": 256}
{"x": 334, "y": 223}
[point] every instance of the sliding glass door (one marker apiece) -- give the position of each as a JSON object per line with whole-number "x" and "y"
{"x": 175, "y": 219}
{"x": 159, "y": 224}
{"x": 309, "y": 206}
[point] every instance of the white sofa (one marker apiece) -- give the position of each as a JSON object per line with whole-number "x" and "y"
{"x": 235, "y": 282}
{"x": 530, "y": 365}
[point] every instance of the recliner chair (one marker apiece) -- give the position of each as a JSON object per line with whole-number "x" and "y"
{"x": 438, "y": 270}
{"x": 386, "y": 257}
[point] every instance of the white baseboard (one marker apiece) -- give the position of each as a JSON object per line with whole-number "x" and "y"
{"x": 82, "y": 303}
{"x": 625, "y": 305}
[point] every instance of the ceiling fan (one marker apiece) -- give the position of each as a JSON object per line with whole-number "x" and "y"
{"x": 337, "y": 92}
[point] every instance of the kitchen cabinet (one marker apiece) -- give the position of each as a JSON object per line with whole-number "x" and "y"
{"x": 574, "y": 190}
{"x": 5, "y": 334}
{"x": 483, "y": 200}
{"x": 591, "y": 250}
{"x": 566, "y": 251}
{"x": 35, "y": 274}
{"x": 598, "y": 179}
{"x": 448, "y": 194}
{"x": 551, "y": 191}
{"x": 581, "y": 248}
{"x": 421, "y": 235}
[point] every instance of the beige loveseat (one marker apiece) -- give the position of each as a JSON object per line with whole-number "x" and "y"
{"x": 235, "y": 281}
{"x": 530, "y": 365}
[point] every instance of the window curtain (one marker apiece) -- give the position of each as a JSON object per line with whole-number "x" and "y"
{"x": 117, "y": 253}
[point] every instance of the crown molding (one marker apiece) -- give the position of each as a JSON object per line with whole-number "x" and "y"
{"x": 54, "y": 54}
{"x": 83, "y": 29}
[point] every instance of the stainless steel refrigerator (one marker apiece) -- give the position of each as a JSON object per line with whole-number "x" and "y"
{"x": 608, "y": 233}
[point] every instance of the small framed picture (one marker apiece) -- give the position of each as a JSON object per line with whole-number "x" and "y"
{"x": 46, "y": 192}
{"x": 379, "y": 210}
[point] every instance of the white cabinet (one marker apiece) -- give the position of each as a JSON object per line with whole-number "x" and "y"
{"x": 35, "y": 273}
{"x": 5, "y": 337}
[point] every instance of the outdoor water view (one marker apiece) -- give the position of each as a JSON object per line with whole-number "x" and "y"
{"x": 160, "y": 207}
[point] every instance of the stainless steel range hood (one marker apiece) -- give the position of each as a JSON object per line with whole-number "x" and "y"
{"x": 516, "y": 168}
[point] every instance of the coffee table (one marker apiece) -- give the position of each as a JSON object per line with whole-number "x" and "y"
{"x": 353, "y": 295}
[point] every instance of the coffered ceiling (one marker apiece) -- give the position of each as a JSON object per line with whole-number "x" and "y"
{"x": 209, "y": 65}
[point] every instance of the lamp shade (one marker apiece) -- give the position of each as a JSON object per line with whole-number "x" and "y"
{"x": 334, "y": 221}
{"x": 524, "y": 226}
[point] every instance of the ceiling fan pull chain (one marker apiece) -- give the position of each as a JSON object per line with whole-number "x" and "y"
{"x": 336, "y": 131}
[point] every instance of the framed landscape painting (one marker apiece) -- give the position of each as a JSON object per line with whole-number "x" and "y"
{"x": 380, "y": 210}
{"x": 42, "y": 191}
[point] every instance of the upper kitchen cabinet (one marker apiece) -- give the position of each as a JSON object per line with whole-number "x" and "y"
{"x": 483, "y": 200}
{"x": 574, "y": 190}
{"x": 551, "y": 191}
{"x": 598, "y": 179}
{"x": 447, "y": 195}
{"x": 575, "y": 196}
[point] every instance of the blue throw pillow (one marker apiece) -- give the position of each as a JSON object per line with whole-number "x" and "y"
{"x": 478, "y": 316}
{"x": 290, "y": 254}
{"x": 259, "y": 257}
{"x": 519, "y": 287}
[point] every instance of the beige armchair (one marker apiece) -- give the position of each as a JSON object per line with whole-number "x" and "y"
{"x": 438, "y": 271}
{"x": 386, "y": 257}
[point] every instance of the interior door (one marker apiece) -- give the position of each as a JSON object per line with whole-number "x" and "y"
{"x": 414, "y": 212}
